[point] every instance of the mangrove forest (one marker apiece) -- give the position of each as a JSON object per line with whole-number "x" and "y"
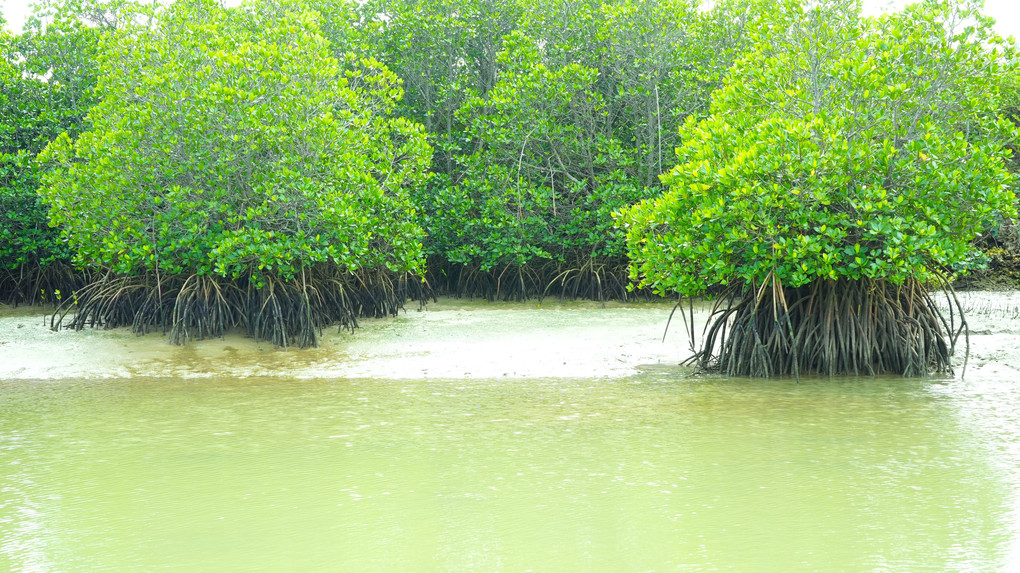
{"x": 282, "y": 166}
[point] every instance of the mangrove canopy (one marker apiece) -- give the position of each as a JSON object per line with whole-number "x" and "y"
{"x": 236, "y": 173}
{"x": 47, "y": 76}
{"x": 846, "y": 167}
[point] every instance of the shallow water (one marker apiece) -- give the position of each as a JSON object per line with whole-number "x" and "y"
{"x": 656, "y": 471}
{"x": 452, "y": 338}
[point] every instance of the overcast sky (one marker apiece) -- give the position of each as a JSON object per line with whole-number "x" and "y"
{"x": 1006, "y": 12}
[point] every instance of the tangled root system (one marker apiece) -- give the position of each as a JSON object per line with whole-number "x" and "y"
{"x": 592, "y": 279}
{"x": 583, "y": 277}
{"x": 284, "y": 312}
{"x": 509, "y": 282}
{"x": 40, "y": 284}
{"x": 830, "y": 327}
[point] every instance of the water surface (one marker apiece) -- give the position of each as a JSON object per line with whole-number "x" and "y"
{"x": 652, "y": 472}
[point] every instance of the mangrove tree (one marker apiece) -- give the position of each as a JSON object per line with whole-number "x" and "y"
{"x": 236, "y": 173}
{"x": 846, "y": 167}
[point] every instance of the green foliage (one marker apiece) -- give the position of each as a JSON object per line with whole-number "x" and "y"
{"x": 445, "y": 52}
{"x": 569, "y": 126}
{"x": 46, "y": 81}
{"x": 349, "y": 28}
{"x": 25, "y": 237}
{"x": 840, "y": 147}
{"x": 521, "y": 182}
{"x": 229, "y": 142}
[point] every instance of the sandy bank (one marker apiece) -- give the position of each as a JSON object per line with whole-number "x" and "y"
{"x": 449, "y": 339}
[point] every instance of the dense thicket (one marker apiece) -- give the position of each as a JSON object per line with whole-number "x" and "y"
{"x": 546, "y": 118}
{"x": 47, "y": 74}
{"x": 293, "y": 163}
{"x": 234, "y": 174}
{"x": 846, "y": 167}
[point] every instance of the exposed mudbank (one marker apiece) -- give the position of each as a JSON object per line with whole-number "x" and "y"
{"x": 449, "y": 339}
{"x": 453, "y": 338}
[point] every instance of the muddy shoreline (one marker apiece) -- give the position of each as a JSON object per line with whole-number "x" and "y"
{"x": 451, "y": 338}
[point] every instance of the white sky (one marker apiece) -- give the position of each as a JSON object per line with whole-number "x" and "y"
{"x": 1006, "y": 12}
{"x": 14, "y": 12}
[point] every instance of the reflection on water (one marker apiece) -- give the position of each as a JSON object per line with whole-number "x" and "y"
{"x": 653, "y": 472}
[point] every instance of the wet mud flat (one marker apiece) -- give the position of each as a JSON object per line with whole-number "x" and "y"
{"x": 451, "y": 338}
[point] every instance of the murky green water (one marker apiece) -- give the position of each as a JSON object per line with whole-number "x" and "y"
{"x": 654, "y": 472}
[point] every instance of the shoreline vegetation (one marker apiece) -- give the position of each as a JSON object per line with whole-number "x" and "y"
{"x": 448, "y": 339}
{"x": 283, "y": 168}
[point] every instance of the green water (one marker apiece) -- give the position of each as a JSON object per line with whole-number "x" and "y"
{"x": 651, "y": 473}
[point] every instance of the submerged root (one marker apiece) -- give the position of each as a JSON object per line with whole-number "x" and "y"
{"x": 831, "y": 327}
